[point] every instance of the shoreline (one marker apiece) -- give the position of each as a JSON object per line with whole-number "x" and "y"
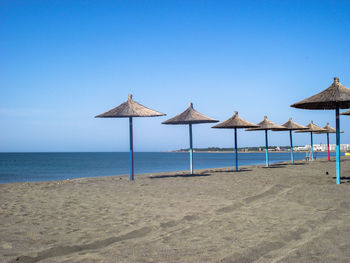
{"x": 73, "y": 176}
{"x": 253, "y": 151}
{"x": 176, "y": 172}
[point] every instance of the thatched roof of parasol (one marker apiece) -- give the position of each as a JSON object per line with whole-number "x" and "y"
{"x": 335, "y": 95}
{"x": 345, "y": 113}
{"x": 235, "y": 122}
{"x": 189, "y": 116}
{"x": 329, "y": 129}
{"x": 266, "y": 124}
{"x": 291, "y": 126}
{"x": 311, "y": 127}
{"x": 130, "y": 108}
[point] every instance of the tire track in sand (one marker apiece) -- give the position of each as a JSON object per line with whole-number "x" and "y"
{"x": 274, "y": 190}
{"x": 65, "y": 250}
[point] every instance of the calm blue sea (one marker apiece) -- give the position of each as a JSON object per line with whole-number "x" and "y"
{"x": 34, "y": 167}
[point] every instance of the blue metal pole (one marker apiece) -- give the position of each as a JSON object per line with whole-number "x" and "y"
{"x": 312, "y": 147}
{"x": 291, "y": 146}
{"x": 131, "y": 151}
{"x": 236, "y": 154}
{"x": 266, "y": 149}
{"x": 338, "y": 143}
{"x": 191, "y": 149}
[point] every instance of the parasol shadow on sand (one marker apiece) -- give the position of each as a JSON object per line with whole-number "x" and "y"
{"x": 312, "y": 128}
{"x": 329, "y": 130}
{"x": 290, "y": 126}
{"x": 235, "y": 122}
{"x": 266, "y": 125}
{"x": 188, "y": 117}
{"x": 130, "y": 109}
{"x": 335, "y": 97}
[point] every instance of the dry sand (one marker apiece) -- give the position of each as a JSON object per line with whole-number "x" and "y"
{"x": 281, "y": 214}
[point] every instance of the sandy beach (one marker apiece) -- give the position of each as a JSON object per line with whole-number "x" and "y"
{"x": 281, "y": 214}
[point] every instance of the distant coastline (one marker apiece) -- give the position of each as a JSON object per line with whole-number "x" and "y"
{"x": 243, "y": 149}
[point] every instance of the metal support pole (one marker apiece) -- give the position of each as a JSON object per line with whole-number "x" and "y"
{"x": 328, "y": 146}
{"x": 236, "y": 154}
{"x": 131, "y": 151}
{"x": 266, "y": 149}
{"x": 312, "y": 147}
{"x": 191, "y": 149}
{"x": 338, "y": 143}
{"x": 291, "y": 147}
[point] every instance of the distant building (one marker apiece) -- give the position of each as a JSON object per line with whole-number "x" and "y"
{"x": 322, "y": 147}
{"x": 302, "y": 148}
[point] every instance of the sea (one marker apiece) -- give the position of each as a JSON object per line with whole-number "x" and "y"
{"x": 36, "y": 167}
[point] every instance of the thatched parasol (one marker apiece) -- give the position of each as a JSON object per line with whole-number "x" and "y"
{"x": 235, "y": 122}
{"x": 266, "y": 125}
{"x": 190, "y": 116}
{"x": 290, "y": 126}
{"x": 335, "y": 97}
{"x": 329, "y": 130}
{"x": 130, "y": 109}
{"x": 345, "y": 113}
{"x": 312, "y": 128}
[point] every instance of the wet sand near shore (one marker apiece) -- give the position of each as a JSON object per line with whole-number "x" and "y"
{"x": 286, "y": 213}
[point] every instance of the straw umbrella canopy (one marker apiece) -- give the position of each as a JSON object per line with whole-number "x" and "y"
{"x": 190, "y": 116}
{"x": 329, "y": 130}
{"x": 266, "y": 125}
{"x": 130, "y": 109}
{"x": 235, "y": 122}
{"x": 312, "y": 128}
{"x": 290, "y": 126}
{"x": 345, "y": 113}
{"x": 335, "y": 97}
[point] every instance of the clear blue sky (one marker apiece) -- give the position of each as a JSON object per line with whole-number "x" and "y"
{"x": 63, "y": 62}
